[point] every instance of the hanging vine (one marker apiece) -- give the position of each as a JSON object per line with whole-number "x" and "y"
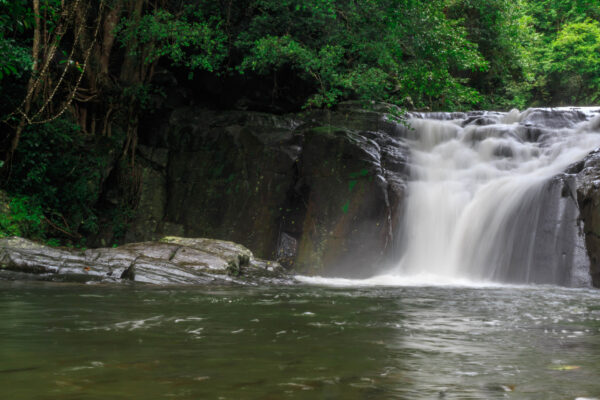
{"x": 41, "y": 76}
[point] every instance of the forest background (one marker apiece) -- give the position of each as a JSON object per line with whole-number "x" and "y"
{"x": 78, "y": 78}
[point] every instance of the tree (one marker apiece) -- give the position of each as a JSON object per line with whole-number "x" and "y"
{"x": 398, "y": 51}
{"x": 15, "y": 55}
{"x": 573, "y": 63}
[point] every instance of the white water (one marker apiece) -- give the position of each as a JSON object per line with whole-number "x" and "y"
{"x": 395, "y": 280}
{"x": 473, "y": 210}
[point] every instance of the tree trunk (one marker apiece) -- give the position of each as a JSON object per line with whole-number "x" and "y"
{"x": 108, "y": 40}
{"x": 129, "y": 69}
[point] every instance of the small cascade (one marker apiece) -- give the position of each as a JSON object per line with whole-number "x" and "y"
{"x": 484, "y": 203}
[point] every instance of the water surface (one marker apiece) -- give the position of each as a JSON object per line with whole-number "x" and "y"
{"x": 73, "y": 341}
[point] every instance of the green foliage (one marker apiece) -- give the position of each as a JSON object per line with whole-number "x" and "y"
{"x": 503, "y": 35}
{"x": 15, "y": 55}
{"x": 415, "y": 59}
{"x": 550, "y": 19}
{"x": 23, "y": 216}
{"x": 118, "y": 218}
{"x": 573, "y": 62}
{"x": 143, "y": 94}
{"x": 14, "y": 59}
{"x": 549, "y": 16}
{"x": 439, "y": 54}
{"x": 58, "y": 173}
{"x": 190, "y": 39}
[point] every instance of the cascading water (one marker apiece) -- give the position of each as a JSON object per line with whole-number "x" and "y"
{"x": 482, "y": 203}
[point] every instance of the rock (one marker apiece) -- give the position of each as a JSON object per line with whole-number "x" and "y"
{"x": 319, "y": 191}
{"x": 287, "y": 249}
{"x": 153, "y": 197}
{"x": 551, "y": 244}
{"x": 173, "y": 260}
{"x": 588, "y": 198}
{"x": 553, "y": 119}
{"x": 348, "y": 225}
{"x": 229, "y": 176}
{"x": 480, "y": 121}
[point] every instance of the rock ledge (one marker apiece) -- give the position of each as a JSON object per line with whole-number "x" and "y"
{"x": 171, "y": 260}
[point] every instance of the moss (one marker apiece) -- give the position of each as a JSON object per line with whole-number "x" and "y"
{"x": 362, "y": 173}
{"x": 326, "y": 129}
{"x": 346, "y": 207}
{"x": 351, "y": 184}
{"x": 237, "y": 266}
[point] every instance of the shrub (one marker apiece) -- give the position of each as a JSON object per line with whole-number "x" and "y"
{"x": 55, "y": 182}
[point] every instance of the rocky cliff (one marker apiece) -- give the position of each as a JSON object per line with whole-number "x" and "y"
{"x": 316, "y": 190}
{"x": 588, "y": 199}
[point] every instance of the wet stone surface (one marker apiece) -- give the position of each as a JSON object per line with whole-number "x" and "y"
{"x": 172, "y": 260}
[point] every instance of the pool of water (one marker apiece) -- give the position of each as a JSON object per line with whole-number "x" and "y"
{"x": 77, "y": 341}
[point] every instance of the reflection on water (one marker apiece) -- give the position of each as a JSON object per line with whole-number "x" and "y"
{"x": 63, "y": 341}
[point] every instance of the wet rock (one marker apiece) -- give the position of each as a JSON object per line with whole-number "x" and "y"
{"x": 553, "y": 118}
{"x": 445, "y": 116}
{"x": 287, "y": 250}
{"x": 348, "y": 225}
{"x": 229, "y": 177}
{"x": 588, "y": 199}
{"x": 172, "y": 260}
{"x": 282, "y": 186}
{"x": 503, "y": 151}
{"x": 557, "y": 247}
{"x": 533, "y": 133}
{"x": 480, "y": 121}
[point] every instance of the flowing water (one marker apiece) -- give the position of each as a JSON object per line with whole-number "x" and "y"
{"x": 66, "y": 341}
{"x": 482, "y": 204}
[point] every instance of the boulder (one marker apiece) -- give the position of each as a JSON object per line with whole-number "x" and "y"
{"x": 172, "y": 260}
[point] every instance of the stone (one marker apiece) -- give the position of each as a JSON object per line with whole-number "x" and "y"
{"x": 172, "y": 260}
{"x": 317, "y": 178}
{"x": 348, "y": 226}
{"x": 287, "y": 250}
{"x": 588, "y": 199}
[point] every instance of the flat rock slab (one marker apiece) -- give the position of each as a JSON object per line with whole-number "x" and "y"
{"x": 172, "y": 260}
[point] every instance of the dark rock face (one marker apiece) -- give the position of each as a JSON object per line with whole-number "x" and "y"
{"x": 581, "y": 191}
{"x": 318, "y": 190}
{"x": 558, "y": 251}
{"x": 229, "y": 176}
{"x": 351, "y": 200}
{"x": 588, "y": 198}
{"x": 172, "y": 260}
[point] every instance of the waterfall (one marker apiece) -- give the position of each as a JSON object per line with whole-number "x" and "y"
{"x": 483, "y": 201}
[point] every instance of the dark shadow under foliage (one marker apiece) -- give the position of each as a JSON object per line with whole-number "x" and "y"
{"x": 57, "y": 173}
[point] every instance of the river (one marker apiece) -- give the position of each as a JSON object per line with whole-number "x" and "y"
{"x": 97, "y": 341}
